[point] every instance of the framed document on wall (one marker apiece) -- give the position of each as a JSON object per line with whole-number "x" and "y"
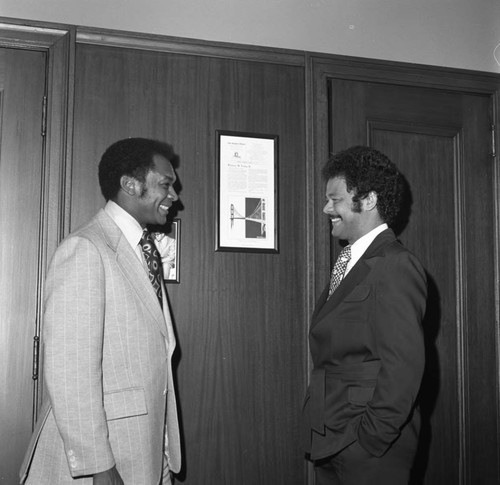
{"x": 247, "y": 188}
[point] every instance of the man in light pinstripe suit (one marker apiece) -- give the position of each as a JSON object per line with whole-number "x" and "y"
{"x": 109, "y": 415}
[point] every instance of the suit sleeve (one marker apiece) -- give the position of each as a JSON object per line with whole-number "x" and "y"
{"x": 398, "y": 311}
{"x": 73, "y": 341}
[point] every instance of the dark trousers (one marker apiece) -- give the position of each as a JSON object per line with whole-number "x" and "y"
{"x": 355, "y": 466}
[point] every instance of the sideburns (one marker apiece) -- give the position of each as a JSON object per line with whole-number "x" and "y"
{"x": 356, "y": 205}
{"x": 144, "y": 191}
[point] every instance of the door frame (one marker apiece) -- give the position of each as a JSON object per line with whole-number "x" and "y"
{"x": 57, "y": 42}
{"x": 322, "y": 68}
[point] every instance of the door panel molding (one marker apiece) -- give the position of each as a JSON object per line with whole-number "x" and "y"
{"x": 373, "y": 124}
{"x": 455, "y": 136}
{"x": 58, "y": 43}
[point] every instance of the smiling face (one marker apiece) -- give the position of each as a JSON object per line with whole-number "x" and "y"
{"x": 155, "y": 196}
{"x": 349, "y": 222}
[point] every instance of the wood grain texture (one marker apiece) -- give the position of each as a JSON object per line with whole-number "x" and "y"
{"x": 240, "y": 317}
{"x": 439, "y": 138}
{"x": 22, "y": 84}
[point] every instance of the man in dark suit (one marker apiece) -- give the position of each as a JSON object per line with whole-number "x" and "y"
{"x": 360, "y": 421}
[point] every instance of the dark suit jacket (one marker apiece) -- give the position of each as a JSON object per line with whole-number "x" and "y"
{"x": 367, "y": 349}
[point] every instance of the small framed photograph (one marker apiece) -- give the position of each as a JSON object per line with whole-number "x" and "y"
{"x": 168, "y": 244}
{"x": 247, "y": 186}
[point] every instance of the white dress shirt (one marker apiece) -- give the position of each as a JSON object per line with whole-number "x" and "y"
{"x": 359, "y": 247}
{"x": 131, "y": 229}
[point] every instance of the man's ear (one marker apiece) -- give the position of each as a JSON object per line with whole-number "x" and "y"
{"x": 129, "y": 185}
{"x": 370, "y": 201}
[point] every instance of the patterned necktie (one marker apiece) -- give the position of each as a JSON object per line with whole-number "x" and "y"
{"x": 153, "y": 260}
{"x": 339, "y": 269}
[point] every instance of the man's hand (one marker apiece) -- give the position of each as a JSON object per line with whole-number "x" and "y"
{"x": 109, "y": 477}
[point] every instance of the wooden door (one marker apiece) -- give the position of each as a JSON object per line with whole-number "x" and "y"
{"x": 22, "y": 87}
{"x": 441, "y": 139}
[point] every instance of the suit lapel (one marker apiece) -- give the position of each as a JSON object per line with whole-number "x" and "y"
{"x": 355, "y": 276}
{"x": 132, "y": 269}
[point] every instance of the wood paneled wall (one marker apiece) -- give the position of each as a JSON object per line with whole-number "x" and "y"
{"x": 241, "y": 318}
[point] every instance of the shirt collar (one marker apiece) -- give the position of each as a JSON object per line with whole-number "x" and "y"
{"x": 359, "y": 247}
{"x": 129, "y": 226}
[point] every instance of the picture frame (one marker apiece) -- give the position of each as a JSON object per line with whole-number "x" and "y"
{"x": 247, "y": 192}
{"x": 169, "y": 247}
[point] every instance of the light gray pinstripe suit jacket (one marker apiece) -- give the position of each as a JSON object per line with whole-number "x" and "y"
{"x": 107, "y": 366}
